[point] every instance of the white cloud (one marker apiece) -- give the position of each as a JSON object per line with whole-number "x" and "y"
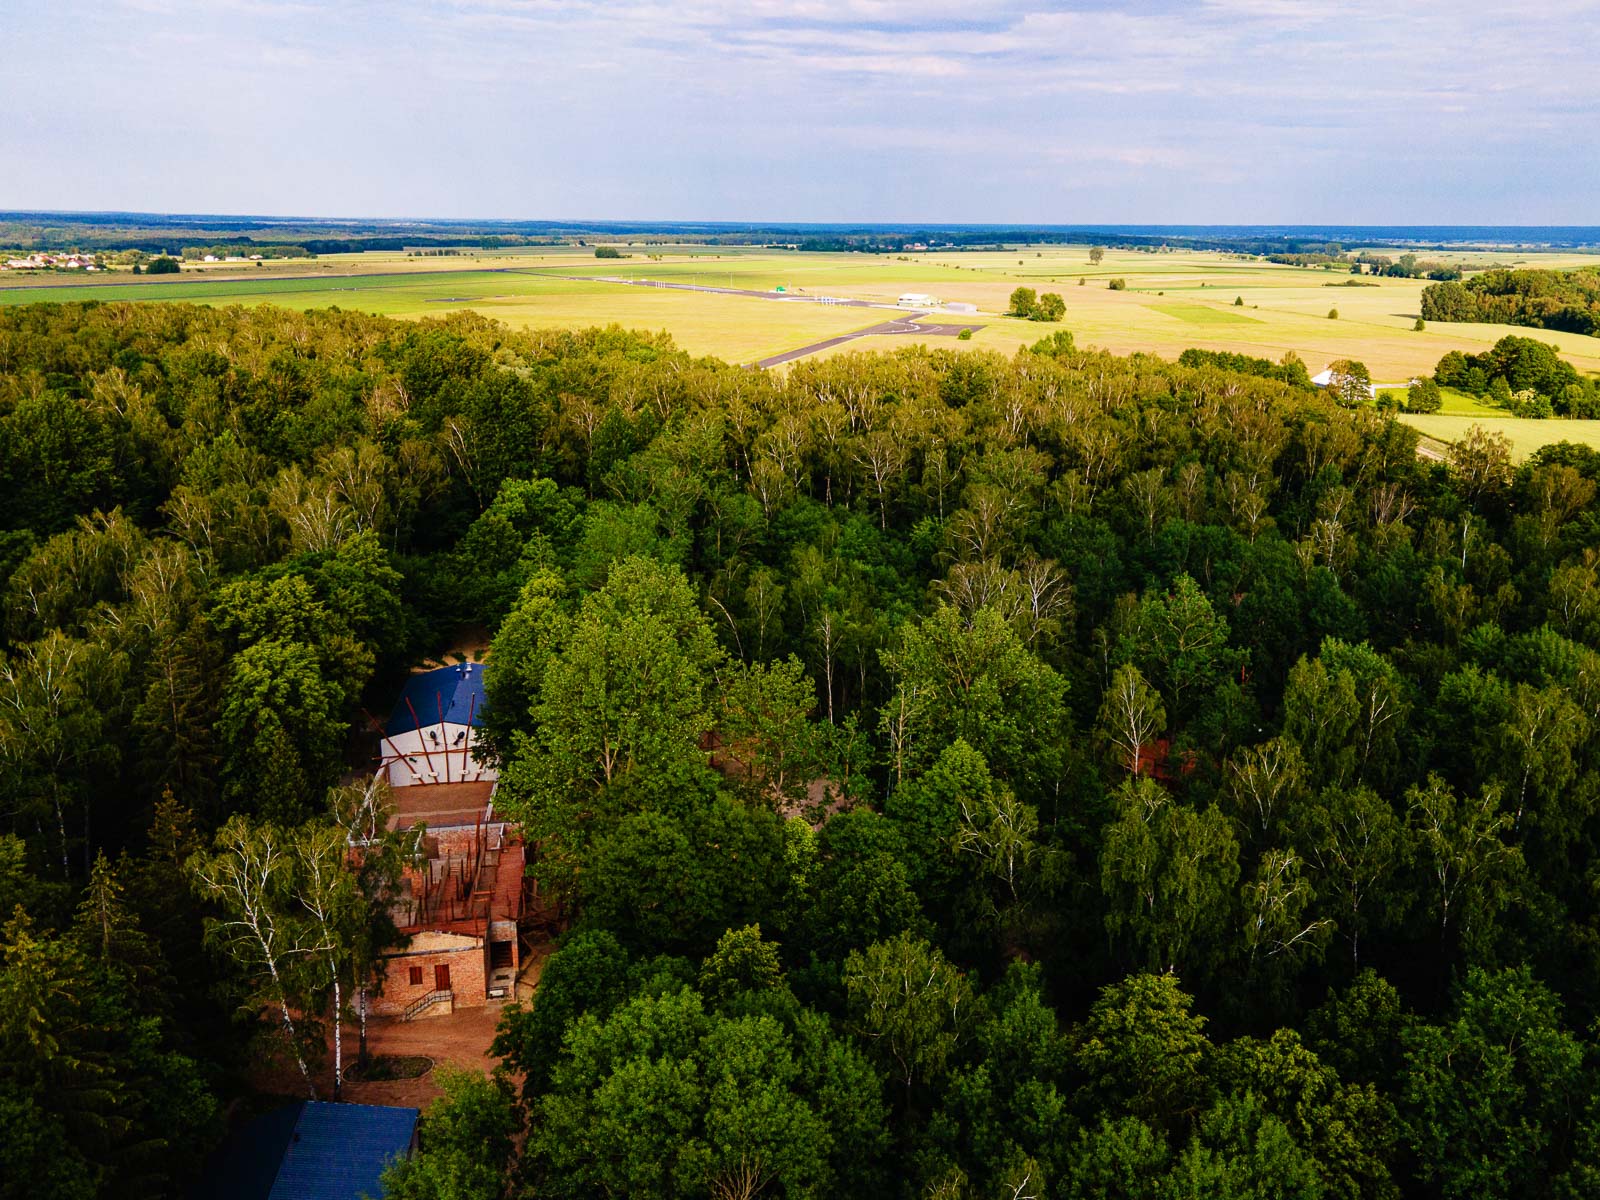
{"x": 1221, "y": 103}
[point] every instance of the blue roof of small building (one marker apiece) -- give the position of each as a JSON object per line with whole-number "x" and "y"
{"x": 452, "y": 694}
{"x": 309, "y": 1151}
{"x": 339, "y": 1151}
{"x": 246, "y": 1163}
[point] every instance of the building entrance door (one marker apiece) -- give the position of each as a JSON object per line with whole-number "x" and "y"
{"x": 441, "y": 977}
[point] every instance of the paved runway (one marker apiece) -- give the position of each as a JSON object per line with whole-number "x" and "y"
{"x": 907, "y": 325}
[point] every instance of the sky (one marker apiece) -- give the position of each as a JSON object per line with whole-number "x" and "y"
{"x": 1211, "y": 111}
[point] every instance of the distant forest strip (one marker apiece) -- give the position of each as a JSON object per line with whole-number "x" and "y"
{"x": 1214, "y": 788}
{"x": 1564, "y": 300}
{"x": 157, "y": 233}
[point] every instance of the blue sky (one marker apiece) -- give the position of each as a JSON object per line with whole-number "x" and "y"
{"x": 1225, "y": 111}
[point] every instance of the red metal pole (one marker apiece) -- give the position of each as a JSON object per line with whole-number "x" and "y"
{"x": 373, "y": 721}
{"x": 421, "y": 737}
{"x": 438, "y": 699}
{"x": 466, "y": 741}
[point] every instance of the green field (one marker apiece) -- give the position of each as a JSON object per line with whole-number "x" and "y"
{"x": 1200, "y": 314}
{"x": 1460, "y": 411}
{"x": 1454, "y": 403}
{"x": 1526, "y": 435}
{"x": 1171, "y": 300}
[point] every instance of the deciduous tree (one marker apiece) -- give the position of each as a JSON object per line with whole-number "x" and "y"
{"x": 1167, "y": 874}
{"x": 910, "y": 1004}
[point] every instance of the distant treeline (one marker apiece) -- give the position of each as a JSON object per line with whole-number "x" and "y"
{"x": 1291, "y": 370}
{"x": 1568, "y": 300}
{"x": 231, "y": 250}
{"x": 269, "y": 239}
{"x": 161, "y": 232}
{"x": 1407, "y": 266}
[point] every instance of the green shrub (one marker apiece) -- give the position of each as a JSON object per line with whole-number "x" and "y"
{"x": 1423, "y": 396}
{"x": 1051, "y": 307}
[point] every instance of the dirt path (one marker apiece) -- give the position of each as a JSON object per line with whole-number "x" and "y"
{"x": 461, "y": 1038}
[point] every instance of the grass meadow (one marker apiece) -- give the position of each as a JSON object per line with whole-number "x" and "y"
{"x": 1526, "y": 435}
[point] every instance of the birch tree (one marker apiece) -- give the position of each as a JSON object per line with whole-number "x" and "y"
{"x": 1357, "y": 843}
{"x": 331, "y": 903}
{"x": 1167, "y": 873}
{"x": 377, "y": 856}
{"x": 1263, "y": 783}
{"x": 999, "y": 830}
{"x": 909, "y": 1003}
{"x": 51, "y": 733}
{"x": 1277, "y": 903}
{"x": 1131, "y": 717}
{"x": 1461, "y": 840}
{"x": 250, "y": 877}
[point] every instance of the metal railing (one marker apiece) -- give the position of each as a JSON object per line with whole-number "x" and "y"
{"x": 428, "y": 1001}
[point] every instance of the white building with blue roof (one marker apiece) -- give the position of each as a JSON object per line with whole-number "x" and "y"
{"x": 430, "y": 735}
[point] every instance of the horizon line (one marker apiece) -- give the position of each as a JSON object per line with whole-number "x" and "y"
{"x": 15, "y": 214}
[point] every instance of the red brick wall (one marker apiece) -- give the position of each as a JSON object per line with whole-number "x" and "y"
{"x": 468, "y": 979}
{"x": 457, "y": 841}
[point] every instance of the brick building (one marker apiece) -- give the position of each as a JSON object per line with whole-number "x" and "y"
{"x": 460, "y": 908}
{"x": 464, "y": 905}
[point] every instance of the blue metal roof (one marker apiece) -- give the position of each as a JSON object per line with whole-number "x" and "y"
{"x": 449, "y": 693}
{"x": 246, "y": 1163}
{"x": 339, "y": 1151}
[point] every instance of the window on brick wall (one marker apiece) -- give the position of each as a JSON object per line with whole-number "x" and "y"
{"x": 416, "y": 976}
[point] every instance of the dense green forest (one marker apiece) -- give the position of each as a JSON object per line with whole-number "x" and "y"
{"x": 1545, "y": 299}
{"x": 1065, "y": 775}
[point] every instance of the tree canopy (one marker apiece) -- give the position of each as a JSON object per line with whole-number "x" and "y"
{"x": 1048, "y": 775}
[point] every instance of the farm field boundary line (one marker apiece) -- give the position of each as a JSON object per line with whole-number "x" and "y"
{"x": 1527, "y": 435}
